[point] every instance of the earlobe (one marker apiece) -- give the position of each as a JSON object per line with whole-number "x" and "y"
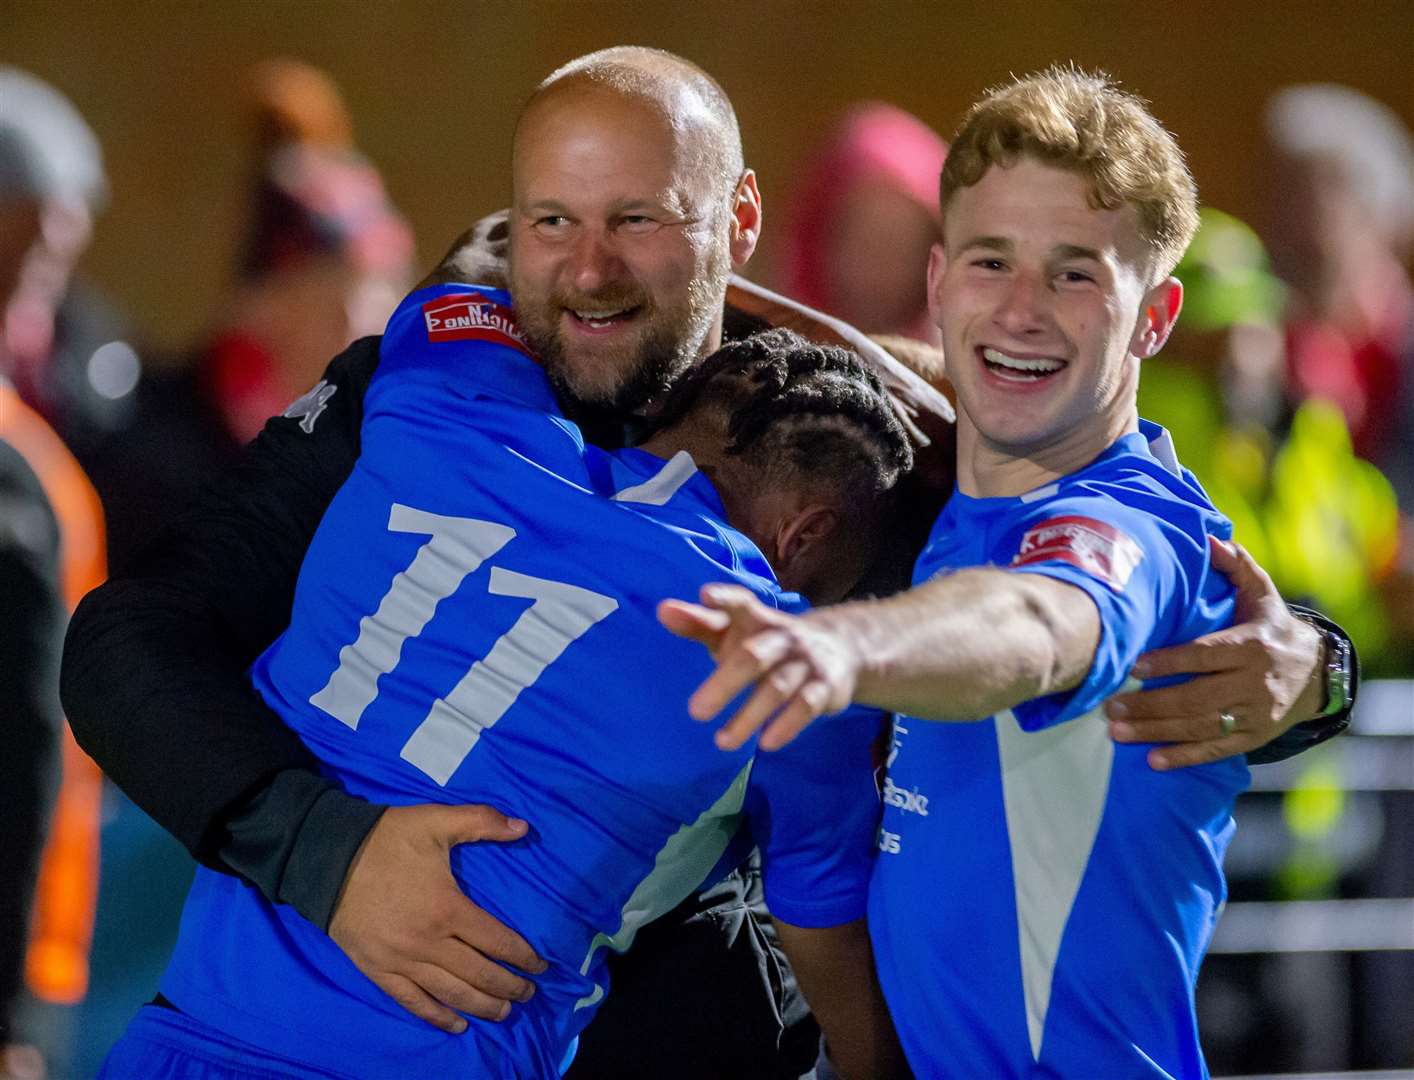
{"x": 804, "y": 530}
{"x": 746, "y": 218}
{"x": 1160, "y": 312}
{"x": 937, "y": 267}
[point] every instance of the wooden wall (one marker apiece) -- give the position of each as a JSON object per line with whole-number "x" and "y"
{"x": 434, "y": 88}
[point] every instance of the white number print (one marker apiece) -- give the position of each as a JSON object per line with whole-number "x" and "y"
{"x": 559, "y": 614}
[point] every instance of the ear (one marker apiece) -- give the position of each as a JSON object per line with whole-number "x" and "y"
{"x": 800, "y": 535}
{"x": 746, "y": 219}
{"x": 1157, "y": 317}
{"x": 937, "y": 266}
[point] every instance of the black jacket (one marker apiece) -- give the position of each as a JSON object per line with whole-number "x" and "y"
{"x": 31, "y": 629}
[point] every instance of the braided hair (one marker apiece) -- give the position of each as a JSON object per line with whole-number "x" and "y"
{"x": 797, "y": 412}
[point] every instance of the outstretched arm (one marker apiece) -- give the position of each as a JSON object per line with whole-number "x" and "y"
{"x": 958, "y": 648}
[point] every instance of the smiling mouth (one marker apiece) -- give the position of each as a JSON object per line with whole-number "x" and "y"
{"x": 601, "y": 318}
{"x": 1021, "y": 369}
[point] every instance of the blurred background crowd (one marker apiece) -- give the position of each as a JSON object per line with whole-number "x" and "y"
{"x": 132, "y": 368}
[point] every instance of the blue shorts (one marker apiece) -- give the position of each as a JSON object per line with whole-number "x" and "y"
{"x": 163, "y": 1044}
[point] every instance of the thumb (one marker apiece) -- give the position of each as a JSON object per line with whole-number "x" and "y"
{"x": 1252, "y": 583}
{"x": 1237, "y": 563}
{"x": 469, "y": 824}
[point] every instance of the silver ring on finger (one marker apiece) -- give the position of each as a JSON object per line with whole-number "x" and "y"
{"x": 1228, "y": 722}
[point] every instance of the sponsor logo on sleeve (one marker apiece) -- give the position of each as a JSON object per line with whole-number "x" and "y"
{"x": 471, "y": 317}
{"x": 1099, "y": 549}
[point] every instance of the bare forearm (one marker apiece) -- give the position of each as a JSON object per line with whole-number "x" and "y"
{"x": 968, "y": 645}
{"x": 835, "y": 968}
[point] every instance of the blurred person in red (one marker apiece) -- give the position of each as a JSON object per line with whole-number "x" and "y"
{"x": 863, "y": 218}
{"x": 324, "y": 259}
{"x": 1341, "y": 231}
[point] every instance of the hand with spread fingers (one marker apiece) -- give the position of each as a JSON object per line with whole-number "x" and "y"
{"x": 1251, "y": 682}
{"x": 801, "y": 667}
{"x": 403, "y": 921}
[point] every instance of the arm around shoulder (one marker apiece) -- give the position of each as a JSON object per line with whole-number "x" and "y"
{"x": 154, "y": 676}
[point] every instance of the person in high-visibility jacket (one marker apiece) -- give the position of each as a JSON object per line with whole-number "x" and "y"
{"x": 1324, "y": 522}
{"x": 56, "y": 966}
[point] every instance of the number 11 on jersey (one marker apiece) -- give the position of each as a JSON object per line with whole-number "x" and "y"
{"x": 558, "y": 615}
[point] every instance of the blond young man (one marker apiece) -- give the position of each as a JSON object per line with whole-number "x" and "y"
{"x": 1042, "y": 898}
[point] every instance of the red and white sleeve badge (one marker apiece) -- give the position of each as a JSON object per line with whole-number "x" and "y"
{"x": 472, "y": 317}
{"x": 1099, "y": 549}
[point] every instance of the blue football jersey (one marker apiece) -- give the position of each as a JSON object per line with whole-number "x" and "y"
{"x": 475, "y": 623}
{"x": 1043, "y": 898}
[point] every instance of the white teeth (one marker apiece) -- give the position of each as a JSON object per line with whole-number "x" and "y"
{"x": 1039, "y": 366}
{"x": 599, "y": 316}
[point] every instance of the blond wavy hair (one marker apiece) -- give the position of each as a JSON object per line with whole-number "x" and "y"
{"x": 1084, "y": 122}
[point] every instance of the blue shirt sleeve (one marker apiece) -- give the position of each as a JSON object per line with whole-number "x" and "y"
{"x": 461, "y": 338}
{"x": 814, "y": 811}
{"x": 1144, "y": 574}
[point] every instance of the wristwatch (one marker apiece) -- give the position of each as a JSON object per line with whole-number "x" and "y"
{"x": 1341, "y": 673}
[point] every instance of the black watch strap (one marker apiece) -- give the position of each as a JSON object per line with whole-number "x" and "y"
{"x": 1342, "y": 682}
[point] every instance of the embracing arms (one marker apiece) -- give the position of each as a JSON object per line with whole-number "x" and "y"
{"x": 982, "y": 640}
{"x": 154, "y": 681}
{"x": 957, "y": 648}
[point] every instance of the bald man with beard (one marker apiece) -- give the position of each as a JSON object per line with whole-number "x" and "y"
{"x": 631, "y": 208}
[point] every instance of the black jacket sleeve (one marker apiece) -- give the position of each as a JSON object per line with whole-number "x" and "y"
{"x": 31, "y": 625}
{"x": 154, "y": 675}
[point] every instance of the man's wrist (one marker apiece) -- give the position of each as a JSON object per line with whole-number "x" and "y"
{"x": 1338, "y": 672}
{"x": 294, "y": 838}
{"x": 1312, "y": 699}
{"x": 328, "y": 839}
{"x": 1337, "y": 675}
{"x": 1322, "y": 725}
{"x": 847, "y": 626}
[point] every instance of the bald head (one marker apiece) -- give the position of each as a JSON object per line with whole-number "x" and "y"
{"x": 630, "y": 207}
{"x": 688, "y": 100}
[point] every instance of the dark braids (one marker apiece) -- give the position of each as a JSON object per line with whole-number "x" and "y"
{"x": 800, "y": 411}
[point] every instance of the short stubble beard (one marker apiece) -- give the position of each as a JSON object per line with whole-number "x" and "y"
{"x": 661, "y": 357}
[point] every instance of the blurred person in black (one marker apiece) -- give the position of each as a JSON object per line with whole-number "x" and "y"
{"x": 31, "y": 634}
{"x": 56, "y": 344}
{"x": 155, "y": 670}
{"x": 324, "y": 259}
{"x": 51, "y": 553}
